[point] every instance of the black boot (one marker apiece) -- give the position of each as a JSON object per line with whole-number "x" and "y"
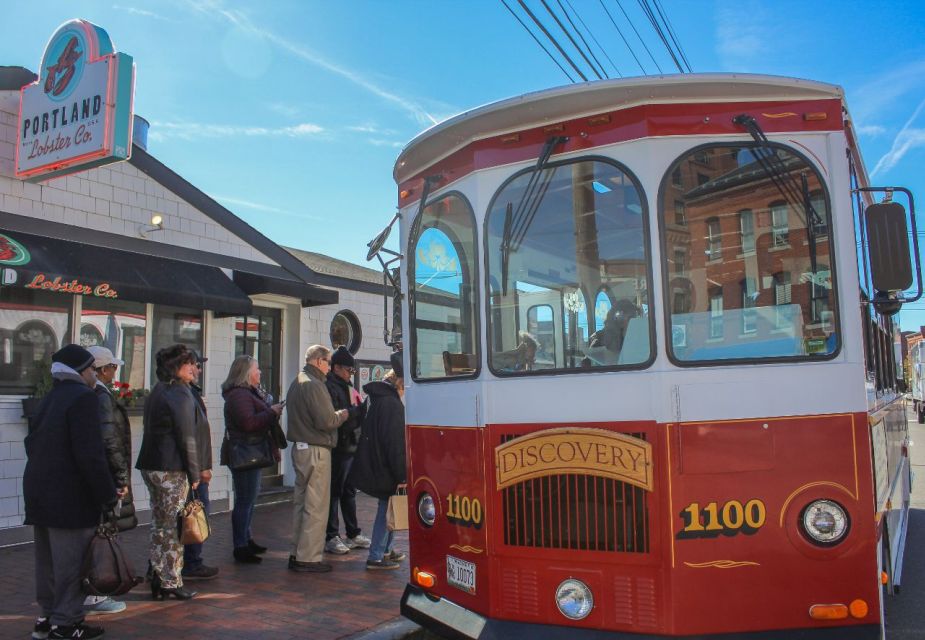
{"x": 255, "y": 548}
{"x": 246, "y": 556}
{"x": 155, "y": 584}
{"x": 180, "y": 593}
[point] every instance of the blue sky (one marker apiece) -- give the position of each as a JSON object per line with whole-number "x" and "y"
{"x": 291, "y": 112}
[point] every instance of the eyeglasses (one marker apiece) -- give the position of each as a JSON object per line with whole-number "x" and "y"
{"x": 350, "y": 370}
{"x": 110, "y": 366}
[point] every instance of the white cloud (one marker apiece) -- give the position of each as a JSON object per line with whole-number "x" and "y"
{"x": 870, "y": 130}
{"x": 263, "y": 208}
{"x": 140, "y": 12}
{"x": 742, "y": 33}
{"x": 196, "y": 130}
{"x": 907, "y": 139}
{"x": 385, "y": 143}
{"x": 287, "y": 110}
{"x": 878, "y": 97}
{"x": 242, "y": 21}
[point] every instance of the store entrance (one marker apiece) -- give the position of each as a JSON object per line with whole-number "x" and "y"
{"x": 259, "y": 335}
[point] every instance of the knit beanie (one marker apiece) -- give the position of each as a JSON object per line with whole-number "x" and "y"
{"x": 73, "y": 356}
{"x": 343, "y": 357}
{"x": 397, "y": 366}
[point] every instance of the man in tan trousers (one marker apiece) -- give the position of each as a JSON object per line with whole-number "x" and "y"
{"x": 312, "y": 424}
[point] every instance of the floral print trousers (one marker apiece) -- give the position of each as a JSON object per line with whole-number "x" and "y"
{"x": 168, "y": 491}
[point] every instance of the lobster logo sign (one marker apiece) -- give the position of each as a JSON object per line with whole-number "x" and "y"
{"x": 12, "y": 253}
{"x": 78, "y": 114}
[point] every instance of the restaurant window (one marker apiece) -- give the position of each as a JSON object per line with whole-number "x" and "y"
{"x": 120, "y": 327}
{"x": 345, "y": 331}
{"x": 33, "y": 325}
{"x": 444, "y": 280}
{"x": 174, "y": 325}
{"x": 258, "y": 335}
{"x": 554, "y": 237}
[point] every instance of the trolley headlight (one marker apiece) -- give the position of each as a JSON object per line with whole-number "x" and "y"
{"x": 427, "y": 511}
{"x": 574, "y": 599}
{"x": 825, "y": 522}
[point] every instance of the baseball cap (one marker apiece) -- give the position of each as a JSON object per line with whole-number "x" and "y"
{"x": 103, "y": 356}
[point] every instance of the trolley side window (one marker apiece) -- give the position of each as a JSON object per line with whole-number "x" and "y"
{"x": 568, "y": 270}
{"x": 443, "y": 303}
{"x": 747, "y": 276}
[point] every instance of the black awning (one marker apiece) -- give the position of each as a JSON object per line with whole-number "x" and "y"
{"x": 309, "y": 294}
{"x": 42, "y": 263}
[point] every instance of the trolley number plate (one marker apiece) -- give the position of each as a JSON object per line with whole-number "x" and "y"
{"x": 460, "y": 574}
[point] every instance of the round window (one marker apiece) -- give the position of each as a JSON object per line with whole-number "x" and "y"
{"x": 345, "y": 331}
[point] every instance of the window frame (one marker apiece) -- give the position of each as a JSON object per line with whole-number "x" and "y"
{"x": 649, "y": 269}
{"x": 835, "y": 304}
{"x": 414, "y": 233}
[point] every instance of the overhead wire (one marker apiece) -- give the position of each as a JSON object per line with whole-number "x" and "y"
{"x": 552, "y": 40}
{"x": 571, "y": 39}
{"x": 650, "y": 14}
{"x": 591, "y": 34}
{"x": 674, "y": 38}
{"x": 636, "y": 31}
{"x": 625, "y": 41}
{"x": 533, "y": 35}
{"x": 582, "y": 38}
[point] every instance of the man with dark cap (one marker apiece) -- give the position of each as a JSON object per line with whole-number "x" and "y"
{"x": 193, "y": 566}
{"x": 344, "y": 396}
{"x": 66, "y": 485}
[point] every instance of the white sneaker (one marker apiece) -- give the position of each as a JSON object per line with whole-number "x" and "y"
{"x": 359, "y": 541}
{"x": 337, "y": 546}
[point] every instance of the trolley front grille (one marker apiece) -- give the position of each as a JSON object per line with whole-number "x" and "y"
{"x": 571, "y": 511}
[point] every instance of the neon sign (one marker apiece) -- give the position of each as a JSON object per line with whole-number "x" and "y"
{"x": 60, "y": 285}
{"x": 78, "y": 114}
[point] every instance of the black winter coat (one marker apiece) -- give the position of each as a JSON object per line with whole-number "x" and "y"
{"x": 67, "y": 484}
{"x": 117, "y": 438}
{"x": 173, "y": 425}
{"x": 379, "y": 463}
{"x": 348, "y": 434}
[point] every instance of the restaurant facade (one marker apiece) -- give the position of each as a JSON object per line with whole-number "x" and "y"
{"x": 132, "y": 256}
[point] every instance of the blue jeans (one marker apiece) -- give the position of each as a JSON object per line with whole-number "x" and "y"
{"x": 192, "y": 553}
{"x": 382, "y": 538}
{"x": 246, "y": 485}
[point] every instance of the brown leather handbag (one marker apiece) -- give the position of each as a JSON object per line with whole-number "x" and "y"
{"x": 106, "y": 571}
{"x": 193, "y": 522}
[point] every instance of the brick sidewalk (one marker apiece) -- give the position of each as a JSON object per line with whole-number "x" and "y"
{"x": 264, "y": 601}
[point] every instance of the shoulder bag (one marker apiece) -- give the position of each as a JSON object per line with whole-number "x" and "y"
{"x": 396, "y": 518}
{"x": 193, "y": 522}
{"x": 106, "y": 571}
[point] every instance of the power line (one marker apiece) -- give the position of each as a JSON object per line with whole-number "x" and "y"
{"x": 591, "y": 34}
{"x": 644, "y": 5}
{"x": 607, "y": 11}
{"x": 577, "y": 31}
{"x": 552, "y": 40}
{"x": 671, "y": 32}
{"x": 571, "y": 39}
{"x": 532, "y": 35}
{"x": 636, "y": 31}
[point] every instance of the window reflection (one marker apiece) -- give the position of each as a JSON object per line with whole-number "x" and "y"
{"x": 120, "y": 327}
{"x": 571, "y": 240}
{"x": 33, "y": 325}
{"x": 768, "y": 295}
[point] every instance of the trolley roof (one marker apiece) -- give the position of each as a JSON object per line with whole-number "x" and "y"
{"x": 576, "y": 100}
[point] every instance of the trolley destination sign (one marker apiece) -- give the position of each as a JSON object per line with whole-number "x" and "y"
{"x": 594, "y": 452}
{"x": 78, "y": 114}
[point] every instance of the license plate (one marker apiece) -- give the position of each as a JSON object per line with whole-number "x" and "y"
{"x": 460, "y": 574}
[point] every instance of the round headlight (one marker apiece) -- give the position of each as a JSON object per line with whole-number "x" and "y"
{"x": 427, "y": 511}
{"x": 825, "y": 522}
{"x": 574, "y": 599}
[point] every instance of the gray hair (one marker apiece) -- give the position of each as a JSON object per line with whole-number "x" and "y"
{"x": 237, "y": 375}
{"x": 317, "y": 351}
{"x": 528, "y": 339}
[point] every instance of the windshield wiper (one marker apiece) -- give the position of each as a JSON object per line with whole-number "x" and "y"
{"x": 517, "y": 223}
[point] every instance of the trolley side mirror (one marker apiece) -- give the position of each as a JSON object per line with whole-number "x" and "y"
{"x": 888, "y": 246}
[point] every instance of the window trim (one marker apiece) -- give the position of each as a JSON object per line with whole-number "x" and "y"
{"x": 663, "y": 191}
{"x": 648, "y": 249}
{"x": 474, "y": 279}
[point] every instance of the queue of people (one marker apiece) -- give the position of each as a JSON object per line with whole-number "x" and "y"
{"x": 80, "y": 441}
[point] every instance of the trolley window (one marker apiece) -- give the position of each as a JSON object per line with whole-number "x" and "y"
{"x": 748, "y": 276}
{"x": 443, "y": 305}
{"x": 568, "y": 270}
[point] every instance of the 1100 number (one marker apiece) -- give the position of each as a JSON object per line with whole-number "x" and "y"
{"x": 464, "y": 510}
{"x": 728, "y": 519}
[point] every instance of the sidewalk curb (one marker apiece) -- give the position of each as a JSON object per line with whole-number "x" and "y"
{"x": 394, "y": 629}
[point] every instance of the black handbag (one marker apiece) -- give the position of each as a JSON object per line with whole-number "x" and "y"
{"x": 106, "y": 570}
{"x": 249, "y": 452}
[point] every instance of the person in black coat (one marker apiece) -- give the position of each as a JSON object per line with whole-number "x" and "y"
{"x": 379, "y": 464}
{"x": 66, "y": 486}
{"x": 343, "y": 494}
{"x": 170, "y": 463}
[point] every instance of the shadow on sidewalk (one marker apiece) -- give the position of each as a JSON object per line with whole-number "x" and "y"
{"x": 264, "y": 601}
